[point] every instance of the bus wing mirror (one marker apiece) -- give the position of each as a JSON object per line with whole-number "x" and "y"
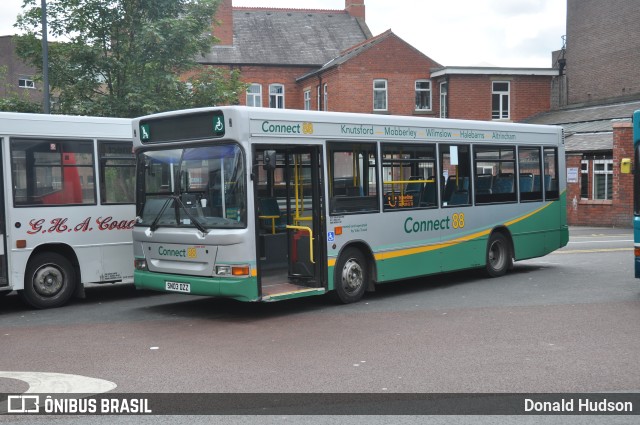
{"x": 269, "y": 160}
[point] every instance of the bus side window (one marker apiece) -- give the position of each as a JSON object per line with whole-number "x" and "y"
{"x": 550, "y": 161}
{"x": 455, "y": 166}
{"x": 352, "y": 178}
{"x": 530, "y": 171}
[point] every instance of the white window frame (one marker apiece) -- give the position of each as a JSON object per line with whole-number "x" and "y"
{"x": 307, "y": 100}
{"x": 325, "y": 90}
{"x": 254, "y": 98}
{"x": 276, "y": 98}
{"x": 443, "y": 99}
{"x": 381, "y": 90}
{"x": 26, "y": 83}
{"x": 584, "y": 169}
{"x": 318, "y": 97}
{"x": 423, "y": 90}
{"x": 502, "y": 114}
{"x": 607, "y": 173}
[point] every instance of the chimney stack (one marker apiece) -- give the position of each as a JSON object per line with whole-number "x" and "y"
{"x": 355, "y": 8}
{"x": 224, "y": 17}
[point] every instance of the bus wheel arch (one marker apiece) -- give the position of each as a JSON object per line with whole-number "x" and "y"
{"x": 354, "y": 273}
{"x": 499, "y": 254}
{"x": 51, "y": 277}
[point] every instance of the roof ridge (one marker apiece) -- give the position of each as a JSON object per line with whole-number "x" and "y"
{"x": 286, "y": 9}
{"x": 365, "y": 42}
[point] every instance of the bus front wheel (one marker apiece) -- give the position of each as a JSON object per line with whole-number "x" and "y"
{"x": 49, "y": 281}
{"x": 351, "y": 276}
{"x": 498, "y": 255}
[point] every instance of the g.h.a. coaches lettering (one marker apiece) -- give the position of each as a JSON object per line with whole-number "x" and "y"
{"x": 62, "y": 225}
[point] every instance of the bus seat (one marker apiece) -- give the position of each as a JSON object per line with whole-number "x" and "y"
{"x": 454, "y": 184}
{"x": 549, "y": 183}
{"x": 484, "y": 183}
{"x": 503, "y": 184}
{"x": 413, "y": 187}
{"x": 270, "y": 207}
{"x": 459, "y": 197}
{"x": 429, "y": 194}
{"x": 536, "y": 183}
{"x": 414, "y": 190}
{"x": 526, "y": 182}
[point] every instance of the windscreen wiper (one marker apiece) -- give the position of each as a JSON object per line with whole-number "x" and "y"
{"x": 154, "y": 224}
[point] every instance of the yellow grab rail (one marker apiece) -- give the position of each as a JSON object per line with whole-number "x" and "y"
{"x": 308, "y": 229}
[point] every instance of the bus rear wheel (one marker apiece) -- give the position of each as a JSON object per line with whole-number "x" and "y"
{"x": 498, "y": 255}
{"x": 351, "y": 276}
{"x": 49, "y": 281}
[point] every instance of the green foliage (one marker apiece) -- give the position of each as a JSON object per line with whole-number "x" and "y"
{"x": 127, "y": 58}
{"x": 14, "y": 101}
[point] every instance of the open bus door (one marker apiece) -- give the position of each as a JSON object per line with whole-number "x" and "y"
{"x": 289, "y": 211}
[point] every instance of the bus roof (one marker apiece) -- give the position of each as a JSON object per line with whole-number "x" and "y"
{"x": 23, "y": 124}
{"x": 341, "y": 125}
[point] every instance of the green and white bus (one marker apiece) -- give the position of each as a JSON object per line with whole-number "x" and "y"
{"x": 266, "y": 204}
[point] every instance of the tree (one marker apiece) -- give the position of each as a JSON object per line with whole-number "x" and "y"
{"x": 127, "y": 58}
{"x": 13, "y": 101}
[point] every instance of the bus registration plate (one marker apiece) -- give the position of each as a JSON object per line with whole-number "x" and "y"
{"x": 178, "y": 287}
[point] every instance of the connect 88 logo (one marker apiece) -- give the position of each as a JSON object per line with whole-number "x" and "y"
{"x": 457, "y": 221}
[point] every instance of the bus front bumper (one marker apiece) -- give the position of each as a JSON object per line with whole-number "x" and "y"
{"x": 245, "y": 289}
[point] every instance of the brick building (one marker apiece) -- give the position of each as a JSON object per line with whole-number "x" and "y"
{"x": 18, "y": 77}
{"x": 601, "y": 55}
{"x": 488, "y": 93}
{"x": 382, "y": 75}
{"x": 273, "y": 47}
{"x": 593, "y": 99}
{"x": 329, "y": 60}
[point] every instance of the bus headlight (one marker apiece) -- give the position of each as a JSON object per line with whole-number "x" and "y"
{"x": 223, "y": 270}
{"x": 140, "y": 264}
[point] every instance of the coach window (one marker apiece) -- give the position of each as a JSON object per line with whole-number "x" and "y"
{"x": 117, "y": 172}
{"x": 494, "y": 178}
{"x": 455, "y": 163}
{"x": 409, "y": 176}
{"x": 52, "y": 172}
{"x": 353, "y": 182}
{"x": 529, "y": 165}
{"x": 550, "y": 156}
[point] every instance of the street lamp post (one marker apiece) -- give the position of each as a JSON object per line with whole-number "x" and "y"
{"x": 45, "y": 61}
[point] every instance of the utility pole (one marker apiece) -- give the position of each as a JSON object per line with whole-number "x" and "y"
{"x": 45, "y": 61}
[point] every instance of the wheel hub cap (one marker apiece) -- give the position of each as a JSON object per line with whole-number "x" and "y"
{"x": 48, "y": 281}
{"x": 352, "y": 276}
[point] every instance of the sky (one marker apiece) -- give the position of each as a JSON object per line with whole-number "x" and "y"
{"x": 505, "y": 33}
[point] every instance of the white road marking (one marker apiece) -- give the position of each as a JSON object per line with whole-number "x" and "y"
{"x": 58, "y": 383}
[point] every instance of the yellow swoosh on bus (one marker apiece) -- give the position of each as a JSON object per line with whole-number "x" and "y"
{"x": 420, "y": 249}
